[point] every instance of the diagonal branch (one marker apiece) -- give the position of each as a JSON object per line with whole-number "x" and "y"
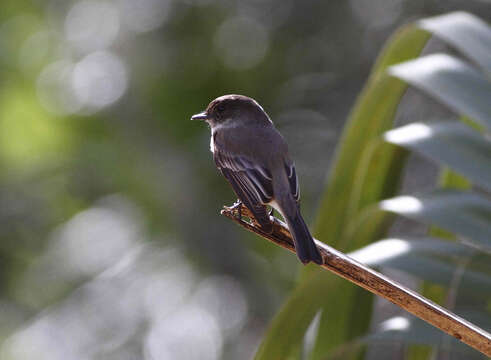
{"x": 342, "y": 265}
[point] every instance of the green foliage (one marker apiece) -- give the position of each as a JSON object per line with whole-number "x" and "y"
{"x": 356, "y": 210}
{"x": 451, "y": 144}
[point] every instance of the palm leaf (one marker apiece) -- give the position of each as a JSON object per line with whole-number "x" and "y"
{"x": 367, "y": 170}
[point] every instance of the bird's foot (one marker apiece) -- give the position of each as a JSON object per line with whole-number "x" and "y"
{"x": 236, "y": 209}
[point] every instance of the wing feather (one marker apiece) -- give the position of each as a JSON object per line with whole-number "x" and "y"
{"x": 251, "y": 182}
{"x": 293, "y": 180}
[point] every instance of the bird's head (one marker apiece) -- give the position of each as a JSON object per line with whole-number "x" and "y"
{"x": 233, "y": 109}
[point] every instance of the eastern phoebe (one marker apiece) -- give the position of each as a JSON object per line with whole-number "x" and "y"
{"x": 253, "y": 157}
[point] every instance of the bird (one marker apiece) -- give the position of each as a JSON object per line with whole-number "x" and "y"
{"x": 253, "y": 156}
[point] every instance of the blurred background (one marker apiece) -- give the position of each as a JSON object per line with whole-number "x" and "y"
{"x": 111, "y": 242}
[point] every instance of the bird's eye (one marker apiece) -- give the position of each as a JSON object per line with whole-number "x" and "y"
{"x": 220, "y": 108}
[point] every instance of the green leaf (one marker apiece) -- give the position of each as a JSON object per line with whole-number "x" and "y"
{"x": 452, "y": 144}
{"x": 287, "y": 330}
{"x": 429, "y": 259}
{"x": 374, "y": 110}
{"x": 466, "y": 32}
{"x": 463, "y": 213}
{"x": 411, "y": 330}
{"x": 364, "y": 172}
{"x": 361, "y": 155}
{"x": 370, "y": 224}
{"x": 451, "y": 81}
{"x": 451, "y": 180}
{"x": 372, "y": 115}
{"x": 386, "y": 250}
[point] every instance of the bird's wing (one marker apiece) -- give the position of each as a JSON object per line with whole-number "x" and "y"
{"x": 251, "y": 182}
{"x": 293, "y": 180}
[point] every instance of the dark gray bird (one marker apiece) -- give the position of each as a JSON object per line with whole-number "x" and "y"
{"x": 253, "y": 157}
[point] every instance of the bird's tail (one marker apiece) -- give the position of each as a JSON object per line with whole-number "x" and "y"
{"x": 304, "y": 243}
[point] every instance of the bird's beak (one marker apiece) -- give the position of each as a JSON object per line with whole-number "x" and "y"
{"x": 201, "y": 116}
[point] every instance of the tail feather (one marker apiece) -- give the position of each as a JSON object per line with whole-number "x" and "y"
{"x": 304, "y": 243}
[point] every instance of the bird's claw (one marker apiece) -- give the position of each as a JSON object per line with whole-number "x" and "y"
{"x": 236, "y": 209}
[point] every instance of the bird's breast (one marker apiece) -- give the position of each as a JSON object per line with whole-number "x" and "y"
{"x": 224, "y": 126}
{"x": 212, "y": 143}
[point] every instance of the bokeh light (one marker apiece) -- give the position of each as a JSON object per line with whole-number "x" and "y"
{"x": 98, "y": 80}
{"x": 190, "y": 333}
{"x": 92, "y": 25}
{"x": 54, "y": 87}
{"x": 241, "y": 43}
{"x": 144, "y": 15}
